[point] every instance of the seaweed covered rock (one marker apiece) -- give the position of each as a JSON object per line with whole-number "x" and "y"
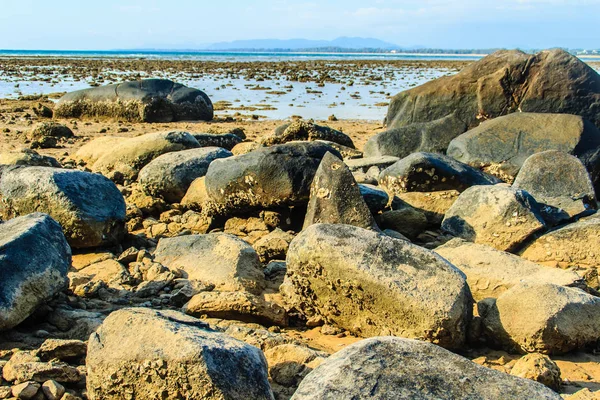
{"x": 146, "y": 100}
{"x": 35, "y": 260}
{"x": 226, "y": 140}
{"x": 148, "y": 354}
{"x": 371, "y": 284}
{"x": 394, "y": 368}
{"x": 89, "y": 207}
{"x": 303, "y": 130}
{"x": 170, "y": 175}
{"x": 274, "y": 176}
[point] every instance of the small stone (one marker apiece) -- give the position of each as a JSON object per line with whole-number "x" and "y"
{"x": 25, "y": 390}
{"x": 53, "y": 390}
{"x": 540, "y": 368}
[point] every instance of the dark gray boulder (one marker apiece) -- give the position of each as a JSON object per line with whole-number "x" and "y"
{"x": 306, "y": 130}
{"x": 551, "y": 81}
{"x": 140, "y": 353}
{"x": 170, "y": 175}
{"x": 47, "y": 135}
{"x": 274, "y": 176}
{"x": 376, "y": 198}
{"x": 432, "y": 137}
{"x": 504, "y": 143}
{"x": 35, "y": 258}
{"x": 559, "y": 182}
{"x": 146, "y": 100}
{"x": 372, "y": 284}
{"x": 89, "y": 207}
{"x": 28, "y": 157}
{"x": 335, "y": 197}
{"x": 499, "y": 216}
{"x": 429, "y": 172}
{"x": 226, "y": 140}
{"x": 385, "y": 368}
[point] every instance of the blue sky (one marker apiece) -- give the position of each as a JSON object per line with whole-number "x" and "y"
{"x": 112, "y": 24}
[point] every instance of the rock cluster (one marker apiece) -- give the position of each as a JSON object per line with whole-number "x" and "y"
{"x": 181, "y": 265}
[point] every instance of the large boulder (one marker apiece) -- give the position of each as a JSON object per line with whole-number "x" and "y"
{"x": 220, "y": 259}
{"x": 140, "y": 353}
{"x": 552, "y": 81}
{"x": 170, "y": 175}
{"x": 576, "y": 244}
{"x": 384, "y": 368}
{"x": 371, "y": 284}
{"x": 35, "y": 258}
{"x": 125, "y": 160}
{"x": 303, "y": 130}
{"x": 429, "y": 172}
{"x": 267, "y": 177}
{"x": 499, "y": 216}
{"x": 558, "y": 181}
{"x": 557, "y": 319}
{"x": 146, "y": 100}
{"x": 89, "y": 207}
{"x": 491, "y": 272}
{"x": 504, "y": 143}
{"x": 90, "y": 152}
{"x": 335, "y": 197}
{"x": 401, "y": 141}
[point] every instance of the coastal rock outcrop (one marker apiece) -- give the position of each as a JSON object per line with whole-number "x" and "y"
{"x": 89, "y": 207}
{"x": 35, "y": 260}
{"x": 146, "y": 100}
{"x": 551, "y": 81}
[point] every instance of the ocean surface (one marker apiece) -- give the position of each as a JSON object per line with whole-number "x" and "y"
{"x": 271, "y": 98}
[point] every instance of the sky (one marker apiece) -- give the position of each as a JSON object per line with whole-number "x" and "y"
{"x": 178, "y": 24}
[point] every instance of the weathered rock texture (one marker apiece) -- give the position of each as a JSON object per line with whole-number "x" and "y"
{"x": 219, "y": 259}
{"x": 557, "y": 180}
{"x": 268, "y": 177}
{"x": 34, "y": 260}
{"x": 428, "y": 172}
{"x": 499, "y": 216}
{"x": 145, "y": 354}
{"x": 371, "y": 284}
{"x": 170, "y": 175}
{"x": 335, "y": 197}
{"x": 89, "y": 207}
{"x": 491, "y": 272}
{"x": 303, "y": 130}
{"x": 146, "y": 100}
{"x": 125, "y": 160}
{"x": 503, "y": 144}
{"x": 552, "y": 81}
{"x": 393, "y": 368}
{"x": 555, "y": 320}
{"x": 28, "y": 157}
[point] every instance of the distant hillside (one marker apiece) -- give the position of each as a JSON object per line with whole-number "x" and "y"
{"x": 303, "y": 44}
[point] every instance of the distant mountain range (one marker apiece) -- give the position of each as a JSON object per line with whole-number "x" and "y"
{"x": 304, "y": 44}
